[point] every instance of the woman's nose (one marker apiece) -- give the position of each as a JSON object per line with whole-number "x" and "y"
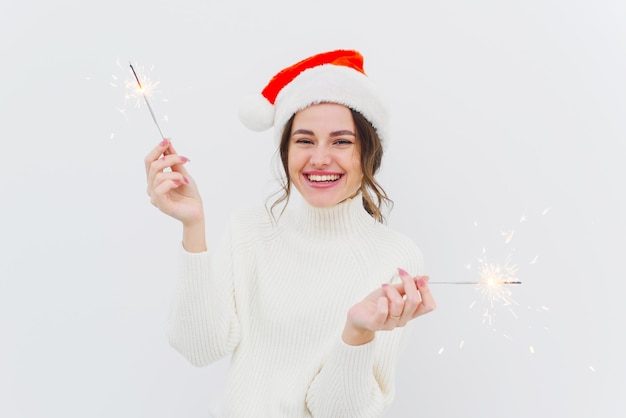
{"x": 320, "y": 157}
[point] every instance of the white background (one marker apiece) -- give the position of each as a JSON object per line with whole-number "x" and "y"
{"x": 507, "y": 116}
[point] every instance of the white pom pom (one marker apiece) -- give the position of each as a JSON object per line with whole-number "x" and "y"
{"x": 256, "y": 113}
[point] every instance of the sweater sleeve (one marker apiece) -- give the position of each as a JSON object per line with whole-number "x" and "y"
{"x": 202, "y": 324}
{"x": 357, "y": 381}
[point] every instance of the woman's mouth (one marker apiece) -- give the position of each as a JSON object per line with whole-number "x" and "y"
{"x": 322, "y": 178}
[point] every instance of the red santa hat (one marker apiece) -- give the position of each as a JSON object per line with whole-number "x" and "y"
{"x": 335, "y": 77}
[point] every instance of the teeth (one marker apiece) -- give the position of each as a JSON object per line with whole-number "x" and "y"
{"x": 328, "y": 177}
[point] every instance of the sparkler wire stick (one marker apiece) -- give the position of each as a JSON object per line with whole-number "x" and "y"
{"x": 145, "y": 98}
{"x": 487, "y": 283}
{"x": 479, "y": 282}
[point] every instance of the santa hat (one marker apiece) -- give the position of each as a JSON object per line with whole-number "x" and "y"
{"x": 335, "y": 77}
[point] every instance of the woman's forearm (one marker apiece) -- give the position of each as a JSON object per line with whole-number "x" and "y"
{"x": 194, "y": 237}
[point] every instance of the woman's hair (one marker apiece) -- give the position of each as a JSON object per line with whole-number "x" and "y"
{"x": 374, "y": 196}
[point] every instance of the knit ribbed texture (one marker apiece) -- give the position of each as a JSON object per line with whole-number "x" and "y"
{"x": 276, "y": 296}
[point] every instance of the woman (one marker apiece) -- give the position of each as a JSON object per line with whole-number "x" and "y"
{"x": 302, "y": 298}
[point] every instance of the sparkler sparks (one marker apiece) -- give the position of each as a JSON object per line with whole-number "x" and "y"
{"x": 142, "y": 91}
{"x": 493, "y": 276}
{"x": 138, "y": 86}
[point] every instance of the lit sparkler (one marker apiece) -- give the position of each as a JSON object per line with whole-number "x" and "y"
{"x": 492, "y": 280}
{"x": 492, "y": 286}
{"x": 145, "y": 98}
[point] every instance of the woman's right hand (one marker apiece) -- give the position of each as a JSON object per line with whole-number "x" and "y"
{"x": 170, "y": 187}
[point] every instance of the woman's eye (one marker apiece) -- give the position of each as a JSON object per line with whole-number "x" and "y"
{"x": 343, "y": 142}
{"x": 303, "y": 141}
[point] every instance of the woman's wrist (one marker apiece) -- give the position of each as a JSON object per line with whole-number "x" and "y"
{"x": 353, "y": 335}
{"x": 194, "y": 239}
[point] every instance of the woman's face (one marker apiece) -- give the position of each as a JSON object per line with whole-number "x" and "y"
{"x": 324, "y": 154}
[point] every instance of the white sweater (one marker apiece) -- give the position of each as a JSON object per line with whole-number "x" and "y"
{"x": 276, "y": 296}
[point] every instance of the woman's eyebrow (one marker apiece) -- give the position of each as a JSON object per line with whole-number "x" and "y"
{"x": 302, "y": 132}
{"x": 342, "y": 132}
{"x": 334, "y": 133}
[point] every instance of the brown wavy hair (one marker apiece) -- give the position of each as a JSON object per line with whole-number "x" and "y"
{"x": 374, "y": 196}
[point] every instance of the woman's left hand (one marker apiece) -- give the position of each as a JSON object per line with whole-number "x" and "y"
{"x": 388, "y": 307}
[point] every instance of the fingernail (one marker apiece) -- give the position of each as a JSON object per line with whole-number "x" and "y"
{"x": 176, "y": 182}
{"x": 402, "y": 272}
{"x": 385, "y": 285}
{"x": 186, "y": 180}
{"x": 184, "y": 159}
{"x": 164, "y": 142}
{"x": 421, "y": 283}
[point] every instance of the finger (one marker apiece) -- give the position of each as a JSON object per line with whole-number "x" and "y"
{"x": 170, "y": 148}
{"x": 163, "y": 163}
{"x": 164, "y": 176}
{"x": 381, "y": 312}
{"x": 162, "y": 153}
{"x": 160, "y": 194}
{"x": 172, "y": 151}
{"x": 428, "y": 301}
{"x": 179, "y": 165}
{"x": 169, "y": 161}
{"x": 156, "y": 153}
{"x": 412, "y": 297}
{"x": 395, "y": 301}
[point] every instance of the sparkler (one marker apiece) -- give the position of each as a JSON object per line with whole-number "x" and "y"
{"x": 145, "y": 98}
{"x": 489, "y": 280}
{"x": 483, "y": 282}
{"x": 492, "y": 282}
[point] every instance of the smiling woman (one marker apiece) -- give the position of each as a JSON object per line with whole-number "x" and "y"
{"x": 302, "y": 300}
{"x": 361, "y": 138}
{"x": 324, "y": 155}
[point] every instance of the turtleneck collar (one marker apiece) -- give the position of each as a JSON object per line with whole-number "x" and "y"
{"x": 344, "y": 219}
